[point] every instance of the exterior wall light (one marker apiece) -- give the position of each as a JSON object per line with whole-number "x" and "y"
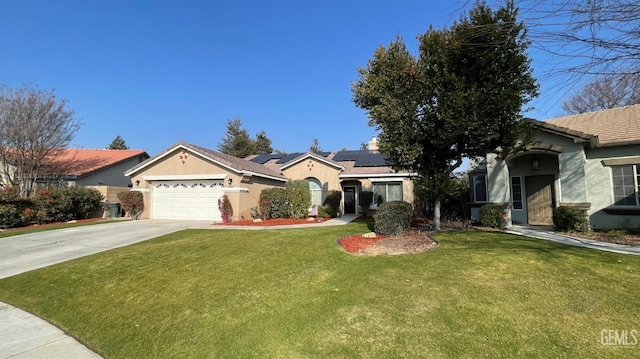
{"x": 230, "y": 182}
{"x": 535, "y": 164}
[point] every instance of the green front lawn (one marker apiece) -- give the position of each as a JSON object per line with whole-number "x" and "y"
{"x": 295, "y": 294}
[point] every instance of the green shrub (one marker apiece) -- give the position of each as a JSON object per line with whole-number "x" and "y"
{"x": 299, "y": 198}
{"x": 332, "y": 200}
{"x": 15, "y": 211}
{"x": 67, "y": 203}
{"x": 491, "y": 216}
{"x": 570, "y": 219}
{"x": 132, "y": 202}
{"x": 365, "y": 198}
{"x": 9, "y": 216}
{"x": 54, "y": 206}
{"x": 393, "y": 218}
{"x": 85, "y": 201}
{"x": 325, "y": 212}
{"x": 274, "y": 203}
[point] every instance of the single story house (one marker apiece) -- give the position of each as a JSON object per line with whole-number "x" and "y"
{"x": 185, "y": 181}
{"x": 87, "y": 167}
{"x": 90, "y": 167}
{"x": 590, "y": 160}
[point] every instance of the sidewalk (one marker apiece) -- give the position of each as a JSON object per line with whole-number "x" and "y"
{"x": 26, "y": 336}
{"x": 547, "y": 233}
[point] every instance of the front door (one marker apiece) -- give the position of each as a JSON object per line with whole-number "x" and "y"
{"x": 350, "y": 200}
{"x": 539, "y": 191}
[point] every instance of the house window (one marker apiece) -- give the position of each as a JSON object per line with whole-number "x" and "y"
{"x": 315, "y": 188}
{"x": 625, "y": 185}
{"x": 516, "y": 192}
{"x": 480, "y": 188}
{"x": 387, "y": 191}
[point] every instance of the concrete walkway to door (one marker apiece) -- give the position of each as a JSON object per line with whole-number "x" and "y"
{"x": 547, "y": 233}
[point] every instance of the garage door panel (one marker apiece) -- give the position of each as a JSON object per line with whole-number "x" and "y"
{"x": 187, "y": 200}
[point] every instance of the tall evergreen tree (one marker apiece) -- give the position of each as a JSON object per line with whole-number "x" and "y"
{"x": 237, "y": 141}
{"x": 118, "y": 144}
{"x": 263, "y": 144}
{"x": 461, "y": 96}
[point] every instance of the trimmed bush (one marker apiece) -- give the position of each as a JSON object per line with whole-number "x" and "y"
{"x": 570, "y": 219}
{"x": 67, "y": 203}
{"x": 365, "y": 198}
{"x": 393, "y": 218}
{"x": 273, "y": 203}
{"x": 299, "y": 198}
{"x": 332, "y": 203}
{"x": 132, "y": 202}
{"x": 491, "y": 216}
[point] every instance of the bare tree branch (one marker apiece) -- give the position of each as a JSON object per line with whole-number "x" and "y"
{"x": 34, "y": 125}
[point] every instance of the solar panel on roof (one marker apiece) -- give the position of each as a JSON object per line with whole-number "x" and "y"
{"x": 350, "y": 155}
{"x": 370, "y": 160}
{"x": 262, "y": 159}
{"x": 289, "y": 157}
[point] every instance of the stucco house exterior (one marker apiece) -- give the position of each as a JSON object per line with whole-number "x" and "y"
{"x": 185, "y": 181}
{"x": 590, "y": 160}
{"x": 88, "y": 167}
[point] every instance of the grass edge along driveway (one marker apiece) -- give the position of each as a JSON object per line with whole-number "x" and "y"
{"x": 294, "y": 293}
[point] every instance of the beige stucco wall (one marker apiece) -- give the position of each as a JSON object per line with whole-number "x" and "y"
{"x": 244, "y": 193}
{"x": 312, "y": 168}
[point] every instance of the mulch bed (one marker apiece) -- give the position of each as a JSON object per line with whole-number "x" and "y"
{"x": 412, "y": 241}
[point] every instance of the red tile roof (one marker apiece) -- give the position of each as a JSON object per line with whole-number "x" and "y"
{"x": 80, "y": 162}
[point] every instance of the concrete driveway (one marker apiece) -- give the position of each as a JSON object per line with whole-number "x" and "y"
{"x": 27, "y": 336}
{"x": 26, "y": 252}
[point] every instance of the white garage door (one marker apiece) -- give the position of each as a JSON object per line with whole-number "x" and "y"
{"x": 190, "y": 200}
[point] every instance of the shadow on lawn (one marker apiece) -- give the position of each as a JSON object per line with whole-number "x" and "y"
{"x": 499, "y": 242}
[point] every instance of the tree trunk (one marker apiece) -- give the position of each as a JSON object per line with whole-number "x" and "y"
{"x": 436, "y": 215}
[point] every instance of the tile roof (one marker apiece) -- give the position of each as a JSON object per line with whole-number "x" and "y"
{"x": 80, "y": 162}
{"x": 234, "y": 163}
{"x": 613, "y": 127}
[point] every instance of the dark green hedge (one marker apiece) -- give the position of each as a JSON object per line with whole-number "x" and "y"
{"x": 491, "y": 216}
{"x": 570, "y": 219}
{"x": 393, "y": 218}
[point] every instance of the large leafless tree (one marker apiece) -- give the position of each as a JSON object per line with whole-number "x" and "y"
{"x": 583, "y": 42}
{"x": 34, "y": 126}
{"x": 603, "y": 93}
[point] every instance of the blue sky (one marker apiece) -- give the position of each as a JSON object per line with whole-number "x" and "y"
{"x": 158, "y": 72}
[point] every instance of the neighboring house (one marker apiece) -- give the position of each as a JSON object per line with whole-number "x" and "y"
{"x": 185, "y": 181}
{"x": 590, "y": 160}
{"x": 83, "y": 167}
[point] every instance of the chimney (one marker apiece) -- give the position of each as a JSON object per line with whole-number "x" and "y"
{"x": 373, "y": 144}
